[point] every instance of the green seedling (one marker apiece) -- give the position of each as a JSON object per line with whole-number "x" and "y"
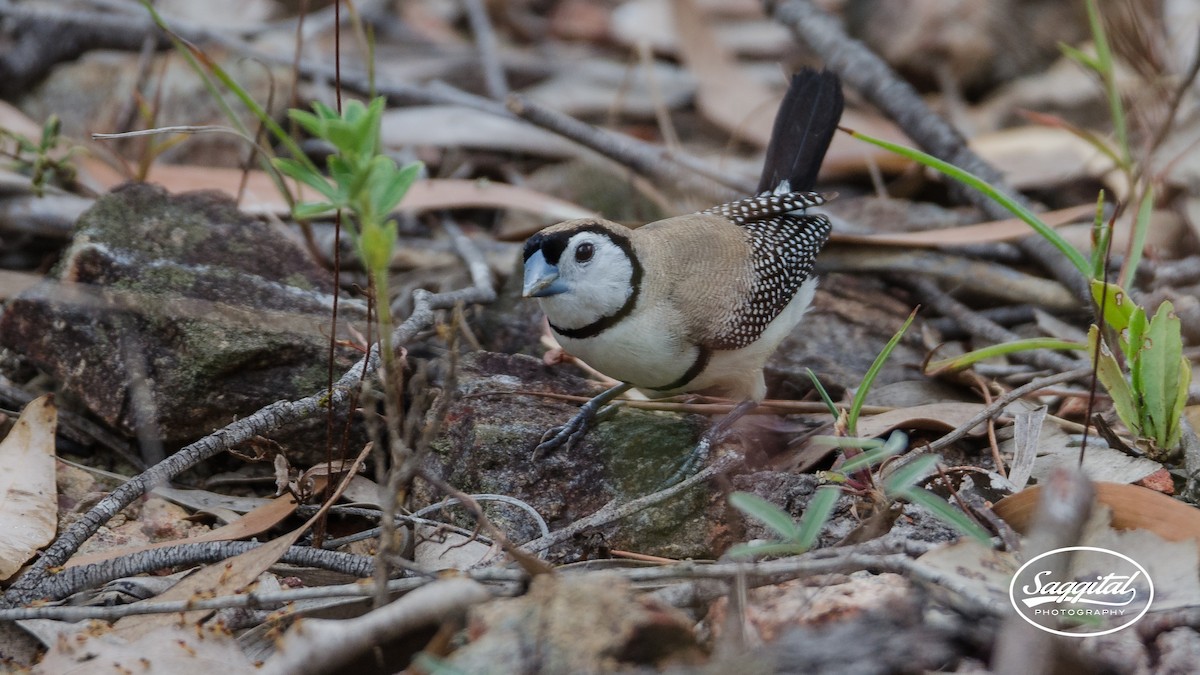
{"x": 1151, "y": 398}
{"x": 901, "y": 484}
{"x": 38, "y": 159}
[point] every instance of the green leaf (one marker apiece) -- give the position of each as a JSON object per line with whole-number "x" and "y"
{"x": 1141, "y": 227}
{"x": 1118, "y": 310}
{"x": 376, "y": 243}
{"x": 767, "y": 513}
{"x": 308, "y": 121}
{"x": 820, "y": 388}
{"x": 369, "y": 143}
{"x": 1082, "y": 58}
{"x": 310, "y": 210}
{"x": 1160, "y": 376}
{"x": 1101, "y": 238}
{"x": 820, "y": 507}
{"x": 387, "y": 184}
{"x": 301, "y": 172}
{"x": 895, "y": 444}
{"x": 1110, "y": 375}
{"x": 1181, "y": 396}
{"x": 860, "y": 396}
{"x": 947, "y": 513}
{"x": 907, "y": 476}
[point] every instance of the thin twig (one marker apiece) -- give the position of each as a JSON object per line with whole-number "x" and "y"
{"x": 1002, "y": 401}
{"x": 489, "y": 51}
{"x": 612, "y": 511}
{"x": 75, "y": 579}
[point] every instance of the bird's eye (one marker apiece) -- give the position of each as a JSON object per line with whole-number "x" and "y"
{"x": 584, "y": 252}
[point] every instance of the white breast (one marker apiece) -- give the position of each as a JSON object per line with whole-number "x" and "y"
{"x": 639, "y": 350}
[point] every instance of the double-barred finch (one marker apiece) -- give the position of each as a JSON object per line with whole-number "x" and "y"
{"x": 697, "y": 303}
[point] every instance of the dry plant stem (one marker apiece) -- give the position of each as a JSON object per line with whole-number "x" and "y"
{"x": 1063, "y": 510}
{"x": 489, "y": 51}
{"x": 979, "y": 326}
{"x": 1002, "y": 401}
{"x": 264, "y": 421}
{"x": 868, "y": 74}
{"x": 320, "y": 646}
{"x": 612, "y": 511}
{"x": 75, "y": 579}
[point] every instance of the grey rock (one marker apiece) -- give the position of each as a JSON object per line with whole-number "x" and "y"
{"x": 208, "y": 312}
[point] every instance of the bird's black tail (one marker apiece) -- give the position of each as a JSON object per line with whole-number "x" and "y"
{"x": 804, "y": 126}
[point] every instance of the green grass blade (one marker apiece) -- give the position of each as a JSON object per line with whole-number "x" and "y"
{"x": 860, "y": 396}
{"x": 1141, "y": 228}
{"x": 1101, "y": 237}
{"x": 1104, "y": 66}
{"x": 957, "y": 363}
{"x": 907, "y": 476}
{"x": 833, "y": 410}
{"x": 969, "y": 179}
{"x": 895, "y": 444}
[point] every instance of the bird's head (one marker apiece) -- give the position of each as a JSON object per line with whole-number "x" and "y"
{"x": 581, "y": 271}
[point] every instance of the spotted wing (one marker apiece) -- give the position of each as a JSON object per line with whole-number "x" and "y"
{"x": 785, "y": 240}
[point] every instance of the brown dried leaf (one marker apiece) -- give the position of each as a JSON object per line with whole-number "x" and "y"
{"x": 28, "y": 496}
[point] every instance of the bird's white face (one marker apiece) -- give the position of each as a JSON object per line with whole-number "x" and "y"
{"x": 580, "y": 277}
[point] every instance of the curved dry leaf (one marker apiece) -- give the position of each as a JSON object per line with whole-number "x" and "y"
{"x": 943, "y": 416}
{"x": 28, "y": 495}
{"x": 1132, "y": 508}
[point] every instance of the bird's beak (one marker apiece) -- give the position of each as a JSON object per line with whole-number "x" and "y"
{"x": 541, "y": 278}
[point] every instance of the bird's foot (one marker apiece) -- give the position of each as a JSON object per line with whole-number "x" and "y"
{"x": 698, "y": 455}
{"x": 567, "y": 435}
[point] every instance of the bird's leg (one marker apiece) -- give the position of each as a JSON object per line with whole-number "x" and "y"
{"x": 699, "y": 454}
{"x": 569, "y": 433}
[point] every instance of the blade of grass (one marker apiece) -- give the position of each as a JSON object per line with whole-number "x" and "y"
{"x": 860, "y": 396}
{"x": 970, "y": 358}
{"x": 1141, "y": 228}
{"x": 1104, "y": 66}
{"x": 833, "y": 410}
{"x": 970, "y": 179}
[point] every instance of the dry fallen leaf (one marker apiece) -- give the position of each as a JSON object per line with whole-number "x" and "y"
{"x": 169, "y": 650}
{"x": 1132, "y": 508}
{"x": 28, "y": 496}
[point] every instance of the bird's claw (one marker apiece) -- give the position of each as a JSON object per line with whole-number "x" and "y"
{"x": 562, "y": 437}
